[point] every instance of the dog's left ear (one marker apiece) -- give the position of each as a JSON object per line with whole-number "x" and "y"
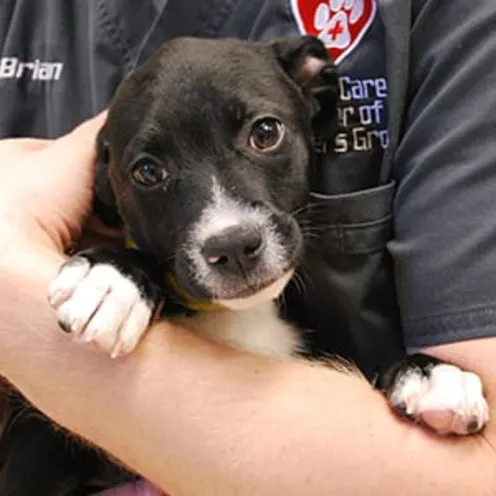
{"x": 104, "y": 204}
{"x": 306, "y": 60}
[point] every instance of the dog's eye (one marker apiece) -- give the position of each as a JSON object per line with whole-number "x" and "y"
{"x": 266, "y": 134}
{"x": 147, "y": 173}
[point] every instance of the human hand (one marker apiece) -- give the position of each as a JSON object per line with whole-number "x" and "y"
{"x": 45, "y": 197}
{"x": 46, "y": 188}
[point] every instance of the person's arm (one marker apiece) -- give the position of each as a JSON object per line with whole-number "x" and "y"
{"x": 196, "y": 418}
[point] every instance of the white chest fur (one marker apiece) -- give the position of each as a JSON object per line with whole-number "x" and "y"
{"x": 258, "y": 329}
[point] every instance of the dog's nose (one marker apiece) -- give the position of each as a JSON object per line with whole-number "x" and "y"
{"x": 236, "y": 250}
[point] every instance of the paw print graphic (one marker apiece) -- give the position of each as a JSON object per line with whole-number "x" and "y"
{"x": 333, "y": 19}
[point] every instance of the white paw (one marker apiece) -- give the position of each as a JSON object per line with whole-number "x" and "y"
{"x": 450, "y": 401}
{"x": 97, "y": 304}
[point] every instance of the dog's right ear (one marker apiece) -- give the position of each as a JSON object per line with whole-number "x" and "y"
{"x": 306, "y": 61}
{"x": 104, "y": 204}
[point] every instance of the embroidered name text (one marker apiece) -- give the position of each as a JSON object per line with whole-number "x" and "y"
{"x": 37, "y": 70}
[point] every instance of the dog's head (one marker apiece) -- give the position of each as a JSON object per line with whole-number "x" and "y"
{"x": 209, "y": 149}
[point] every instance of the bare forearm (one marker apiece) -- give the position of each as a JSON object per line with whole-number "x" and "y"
{"x": 198, "y": 419}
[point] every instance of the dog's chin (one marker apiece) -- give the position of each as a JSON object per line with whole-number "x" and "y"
{"x": 269, "y": 292}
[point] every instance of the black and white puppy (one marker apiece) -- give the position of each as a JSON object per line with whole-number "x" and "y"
{"x": 207, "y": 155}
{"x": 208, "y": 152}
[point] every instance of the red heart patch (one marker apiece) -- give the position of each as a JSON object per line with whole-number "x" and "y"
{"x": 340, "y": 24}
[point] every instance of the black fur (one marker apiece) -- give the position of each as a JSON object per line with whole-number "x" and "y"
{"x": 37, "y": 458}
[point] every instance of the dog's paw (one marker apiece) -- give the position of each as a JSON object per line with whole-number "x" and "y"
{"x": 96, "y": 302}
{"x": 441, "y": 396}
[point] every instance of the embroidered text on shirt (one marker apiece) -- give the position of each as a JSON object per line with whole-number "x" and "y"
{"x": 37, "y": 70}
{"x": 362, "y": 114}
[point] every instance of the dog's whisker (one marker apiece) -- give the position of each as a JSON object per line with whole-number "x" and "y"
{"x": 309, "y": 206}
{"x": 322, "y": 227}
{"x": 310, "y": 228}
{"x": 309, "y": 232}
{"x": 299, "y": 283}
{"x": 311, "y": 236}
{"x": 303, "y": 284}
{"x": 300, "y": 210}
{"x": 305, "y": 276}
{"x": 296, "y": 283}
{"x": 282, "y": 301}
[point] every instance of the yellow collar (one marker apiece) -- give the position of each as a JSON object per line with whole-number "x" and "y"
{"x": 130, "y": 244}
{"x": 184, "y": 298}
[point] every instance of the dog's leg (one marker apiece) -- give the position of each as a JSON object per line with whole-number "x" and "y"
{"x": 439, "y": 395}
{"x": 107, "y": 297}
{"x": 39, "y": 458}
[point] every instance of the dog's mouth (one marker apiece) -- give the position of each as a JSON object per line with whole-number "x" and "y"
{"x": 248, "y": 296}
{"x": 252, "y": 297}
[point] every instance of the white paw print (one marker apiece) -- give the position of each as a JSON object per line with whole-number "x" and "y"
{"x": 333, "y": 18}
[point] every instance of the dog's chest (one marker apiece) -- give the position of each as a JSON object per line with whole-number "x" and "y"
{"x": 258, "y": 330}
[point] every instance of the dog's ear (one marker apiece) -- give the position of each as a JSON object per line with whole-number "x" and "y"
{"x": 306, "y": 61}
{"x": 104, "y": 204}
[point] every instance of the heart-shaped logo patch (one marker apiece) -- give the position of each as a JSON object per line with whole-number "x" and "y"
{"x": 340, "y": 24}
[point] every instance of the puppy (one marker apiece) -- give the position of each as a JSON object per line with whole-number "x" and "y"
{"x": 206, "y": 160}
{"x": 207, "y": 168}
